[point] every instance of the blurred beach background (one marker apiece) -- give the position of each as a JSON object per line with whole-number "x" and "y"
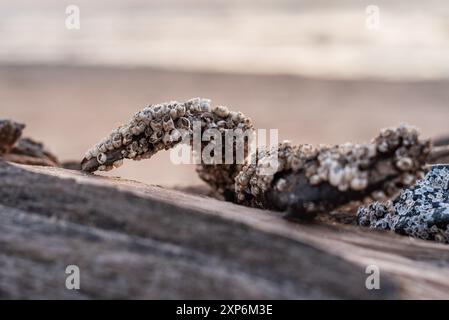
{"x": 317, "y": 70}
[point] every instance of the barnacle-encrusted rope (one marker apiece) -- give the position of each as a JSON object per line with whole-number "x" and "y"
{"x": 310, "y": 180}
{"x": 16, "y": 149}
{"x": 307, "y": 180}
{"x": 162, "y": 126}
{"x": 10, "y": 132}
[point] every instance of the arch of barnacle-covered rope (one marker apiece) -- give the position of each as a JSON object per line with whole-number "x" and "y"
{"x": 308, "y": 179}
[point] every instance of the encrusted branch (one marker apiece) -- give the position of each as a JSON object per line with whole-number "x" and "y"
{"x": 13, "y": 148}
{"x": 310, "y": 180}
{"x": 307, "y": 179}
{"x": 162, "y": 127}
{"x": 10, "y": 132}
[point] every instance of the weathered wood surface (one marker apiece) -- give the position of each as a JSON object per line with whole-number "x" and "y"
{"x": 137, "y": 241}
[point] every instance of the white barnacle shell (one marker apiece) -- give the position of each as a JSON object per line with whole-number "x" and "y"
{"x": 404, "y": 164}
{"x": 102, "y": 148}
{"x": 181, "y": 110}
{"x": 141, "y": 126}
{"x": 167, "y": 139}
{"x": 147, "y": 113}
{"x": 234, "y": 116}
{"x": 255, "y": 190}
{"x": 408, "y": 179}
{"x": 221, "y": 124}
{"x": 314, "y": 180}
{"x": 359, "y": 183}
{"x": 336, "y": 175}
{"x": 195, "y": 104}
{"x": 349, "y": 173}
{"x": 183, "y": 123}
{"x": 175, "y": 135}
{"x": 205, "y": 105}
{"x": 371, "y": 150}
{"x": 221, "y": 111}
{"x": 173, "y": 113}
{"x": 102, "y": 158}
{"x": 158, "y": 111}
{"x": 127, "y": 138}
{"x": 168, "y": 124}
{"x": 117, "y": 141}
{"x": 156, "y": 125}
{"x": 383, "y": 147}
{"x": 109, "y": 145}
{"x": 281, "y": 185}
{"x": 142, "y": 117}
{"x": 155, "y": 137}
{"x": 94, "y": 151}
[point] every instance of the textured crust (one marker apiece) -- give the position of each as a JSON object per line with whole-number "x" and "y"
{"x": 310, "y": 179}
{"x": 421, "y": 211}
{"x": 307, "y": 179}
{"x": 162, "y": 127}
{"x": 15, "y": 149}
{"x": 10, "y": 132}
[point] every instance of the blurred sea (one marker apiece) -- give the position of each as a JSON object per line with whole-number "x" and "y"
{"x": 318, "y": 38}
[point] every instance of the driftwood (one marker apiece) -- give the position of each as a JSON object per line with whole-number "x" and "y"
{"x": 137, "y": 241}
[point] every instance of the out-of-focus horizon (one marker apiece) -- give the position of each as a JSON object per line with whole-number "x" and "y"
{"x": 320, "y": 71}
{"x": 315, "y": 38}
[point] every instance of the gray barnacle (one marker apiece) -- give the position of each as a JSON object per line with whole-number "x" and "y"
{"x": 156, "y": 126}
{"x": 102, "y": 158}
{"x": 155, "y": 137}
{"x": 404, "y": 163}
{"x": 167, "y": 124}
{"x": 221, "y": 111}
{"x": 183, "y": 123}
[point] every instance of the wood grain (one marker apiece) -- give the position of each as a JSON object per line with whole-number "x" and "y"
{"x": 133, "y": 240}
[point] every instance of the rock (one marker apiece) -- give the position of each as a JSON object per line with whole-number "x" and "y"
{"x": 421, "y": 211}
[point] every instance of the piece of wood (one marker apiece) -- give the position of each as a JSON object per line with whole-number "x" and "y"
{"x": 132, "y": 240}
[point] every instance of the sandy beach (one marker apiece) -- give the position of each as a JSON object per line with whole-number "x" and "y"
{"x": 72, "y": 108}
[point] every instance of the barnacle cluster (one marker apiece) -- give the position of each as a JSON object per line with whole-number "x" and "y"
{"x": 10, "y": 132}
{"x": 310, "y": 179}
{"x": 421, "y": 211}
{"x": 163, "y": 126}
{"x": 13, "y": 148}
{"x": 303, "y": 179}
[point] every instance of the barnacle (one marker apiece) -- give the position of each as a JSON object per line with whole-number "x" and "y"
{"x": 10, "y": 132}
{"x": 421, "y": 211}
{"x": 13, "y": 148}
{"x": 162, "y": 127}
{"x": 312, "y": 179}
